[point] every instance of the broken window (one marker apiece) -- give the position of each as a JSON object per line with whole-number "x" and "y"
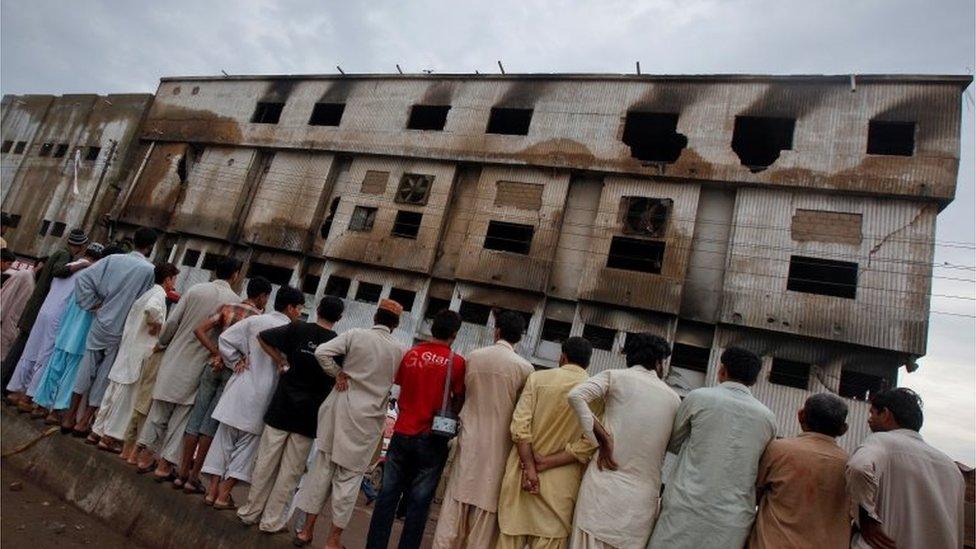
{"x": 653, "y": 136}
{"x": 327, "y": 114}
{"x": 327, "y": 224}
{"x": 634, "y": 254}
{"x": 57, "y": 228}
{"x": 555, "y": 330}
{"x": 7, "y": 144}
{"x": 475, "y": 313}
{"x": 19, "y": 148}
{"x": 337, "y": 286}
{"x": 211, "y": 260}
{"x": 790, "y": 373}
{"x": 368, "y": 292}
{"x": 523, "y": 196}
{"x": 280, "y": 276}
{"x": 92, "y": 153}
{"x": 859, "y": 386}
{"x": 428, "y": 117}
{"x": 46, "y": 149}
{"x": 406, "y": 224}
{"x": 509, "y": 237}
{"x": 310, "y": 283}
{"x": 690, "y": 357}
{"x": 190, "y": 258}
{"x": 758, "y": 140}
{"x": 414, "y": 189}
{"x": 374, "y": 182}
{"x": 645, "y": 216}
{"x": 267, "y": 113}
{"x": 14, "y": 220}
{"x": 813, "y": 275}
{"x": 45, "y": 225}
{"x": 598, "y": 336}
{"x": 509, "y": 121}
{"x": 403, "y": 297}
{"x": 362, "y": 219}
{"x": 891, "y": 138}
{"x": 435, "y": 305}
{"x": 61, "y": 150}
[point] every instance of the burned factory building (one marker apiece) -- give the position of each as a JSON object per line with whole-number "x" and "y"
{"x": 791, "y": 215}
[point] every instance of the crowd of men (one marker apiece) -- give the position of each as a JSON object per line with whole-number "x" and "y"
{"x": 207, "y": 390}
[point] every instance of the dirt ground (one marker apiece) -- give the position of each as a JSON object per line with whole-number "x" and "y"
{"x": 33, "y": 517}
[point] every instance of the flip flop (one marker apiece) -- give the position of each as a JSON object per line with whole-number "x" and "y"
{"x": 178, "y": 483}
{"x": 146, "y": 469}
{"x": 208, "y": 502}
{"x": 164, "y": 478}
{"x": 108, "y": 448}
{"x": 229, "y": 506}
{"x": 93, "y": 441}
{"x": 192, "y": 488}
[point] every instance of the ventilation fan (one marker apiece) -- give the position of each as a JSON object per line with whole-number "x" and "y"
{"x": 647, "y": 216}
{"x": 414, "y": 189}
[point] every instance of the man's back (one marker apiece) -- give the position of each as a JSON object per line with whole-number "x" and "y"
{"x": 804, "y": 503}
{"x": 494, "y": 377}
{"x": 719, "y": 433}
{"x": 919, "y": 490}
{"x": 115, "y": 282}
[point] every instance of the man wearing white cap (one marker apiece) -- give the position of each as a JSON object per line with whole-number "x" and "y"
{"x": 351, "y": 418}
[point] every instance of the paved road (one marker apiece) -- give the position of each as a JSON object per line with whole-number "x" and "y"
{"x": 35, "y": 518}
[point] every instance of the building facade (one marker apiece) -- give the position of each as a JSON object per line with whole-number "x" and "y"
{"x": 791, "y": 215}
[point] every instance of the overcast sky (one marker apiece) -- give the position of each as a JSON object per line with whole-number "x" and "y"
{"x": 123, "y": 46}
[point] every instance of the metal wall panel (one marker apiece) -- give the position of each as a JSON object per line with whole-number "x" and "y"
{"x": 216, "y": 184}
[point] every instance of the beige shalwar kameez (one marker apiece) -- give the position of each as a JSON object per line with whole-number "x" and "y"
{"x": 915, "y": 491}
{"x": 493, "y": 379}
{"x": 618, "y": 508}
{"x": 351, "y": 421}
{"x": 543, "y": 418}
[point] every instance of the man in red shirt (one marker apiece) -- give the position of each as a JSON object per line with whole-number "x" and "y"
{"x": 416, "y": 456}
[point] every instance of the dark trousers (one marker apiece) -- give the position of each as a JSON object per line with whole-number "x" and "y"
{"x": 10, "y": 361}
{"x": 413, "y": 468}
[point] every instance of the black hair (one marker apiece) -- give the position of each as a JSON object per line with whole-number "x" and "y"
{"x": 646, "y": 350}
{"x": 227, "y": 267}
{"x": 257, "y": 286}
{"x": 578, "y": 351}
{"x": 330, "y": 308}
{"x": 93, "y": 255}
{"x": 386, "y": 318}
{"x": 826, "y": 414}
{"x": 7, "y": 255}
{"x": 113, "y": 249}
{"x": 741, "y": 365}
{"x": 510, "y": 325}
{"x": 144, "y": 238}
{"x": 288, "y": 295}
{"x": 163, "y": 271}
{"x": 903, "y": 403}
{"x": 446, "y": 324}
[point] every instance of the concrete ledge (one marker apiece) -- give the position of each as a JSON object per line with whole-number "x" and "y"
{"x": 103, "y": 486}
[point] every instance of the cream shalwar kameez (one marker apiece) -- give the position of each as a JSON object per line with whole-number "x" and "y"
{"x": 180, "y": 369}
{"x": 915, "y": 491}
{"x": 136, "y": 345}
{"x": 241, "y": 407}
{"x": 493, "y": 379}
{"x": 351, "y": 421}
{"x": 543, "y": 417}
{"x": 618, "y": 508}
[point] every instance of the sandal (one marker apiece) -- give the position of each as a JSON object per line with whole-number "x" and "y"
{"x": 146, "y": 469}
{"x": 207, "y": 501}
{"x": 92, "y": 439}
{"x": 108, "y": 448}
{"x": 229, "y": 506}
{"x": 178, "y": 483}
{"x": 164, "y": 478}
{"x": 189, "y": 487}
{"x": 299, "y": 542}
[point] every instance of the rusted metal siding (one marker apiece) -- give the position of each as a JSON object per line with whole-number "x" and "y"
{"x": 572, "y": 253}
{"x": 894, "y": 271}
{"x": 157, "y": 191}
{"x": 216, "y": 184}
{"x": 578, "y": 122}
{"x": 286, "y": 200}
{"x": 658, "y": 292}
{"x": 510, "y": 269}
{"x": 378, "y": 246}
{"x": 22, "y": 117}
{"x": 701, "y": 295}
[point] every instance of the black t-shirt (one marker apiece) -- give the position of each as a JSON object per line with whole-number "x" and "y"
{"x": 295, "y": 404}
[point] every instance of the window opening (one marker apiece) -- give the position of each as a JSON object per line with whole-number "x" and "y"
{"x": 275, "y": 274}
{"x": 19, "y": 148}
{"x": 7, "y": 145}
{"x": 327, "y": 114}
{"x": 310, "y": 283}
{"x": 406, "y": 224}
{"x": 362, "y": 219}
{"x": 368, "y": 292}
{"x": 653, "y": 136}
{"x": 414, "y": 189}
{"x": 435, "y": 305}
{"x": 61, "y": 150}
{"x": 57, "y": 228}
{"x": 891, "y": 138}
{"x": 14, "y": 220}
{"x": 758, "y": 140}
{"x": 646, "y": 216}
{"x": 211, "y": 260}
{"x": 509, "y": 121}
{"x": 46, "y": 149}
{"x": 267, "y": 112}
{"x": 634, "y": 254}
{"x": 600, "y": 337}
{"x": 690, "y": 357}
{"x": 337, "y": 286}
{"x": 45, "y": 225}
{"x": 790, "y": 373}
{"x": 428, "y": 117}
{"x": 475, "y": 313}
{"x": 92, "y": 154}
{"x": 555, "y": 330}
{"x": 813, "y": 275}
{"x": 327, "y": 224}
{"x": 509, "y": 237}
{"x": 403, "y": 297}
{"x": 859, "y": 386}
